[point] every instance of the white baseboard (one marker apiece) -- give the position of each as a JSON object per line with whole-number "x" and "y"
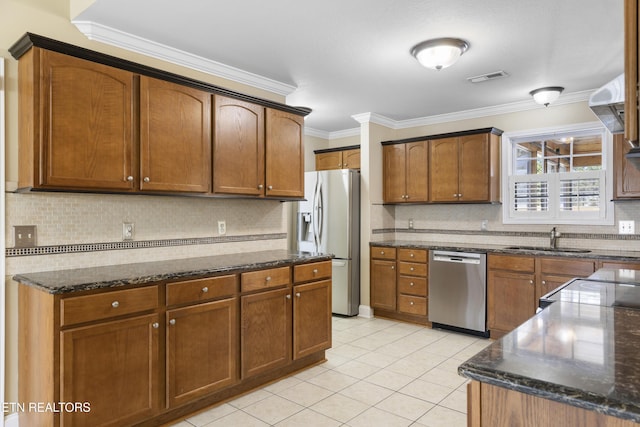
{"x": 365, "y": 311}
{"x": 11, "y": 420}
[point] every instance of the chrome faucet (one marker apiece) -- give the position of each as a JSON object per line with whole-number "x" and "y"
{"x": 554, "y": 238}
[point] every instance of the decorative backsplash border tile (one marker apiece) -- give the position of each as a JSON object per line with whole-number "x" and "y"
{"x": 140, "y": 244}
{"x": 565, "y": 235}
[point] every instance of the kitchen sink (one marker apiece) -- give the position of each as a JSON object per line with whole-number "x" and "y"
{"x": 548, "y": 249}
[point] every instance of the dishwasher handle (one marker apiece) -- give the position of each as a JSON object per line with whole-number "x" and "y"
{"x": 457, "y": 257}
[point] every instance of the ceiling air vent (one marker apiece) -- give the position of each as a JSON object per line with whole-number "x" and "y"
{"x": 487, "y": 77}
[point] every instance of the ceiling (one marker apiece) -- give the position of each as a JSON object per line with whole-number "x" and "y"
{"x": 346, "y": 57}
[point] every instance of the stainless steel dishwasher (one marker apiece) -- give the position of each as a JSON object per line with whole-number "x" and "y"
{"x": 458, "y": 291}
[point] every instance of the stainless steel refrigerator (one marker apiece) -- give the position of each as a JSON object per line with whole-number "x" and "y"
{"x": 328, "y": 221}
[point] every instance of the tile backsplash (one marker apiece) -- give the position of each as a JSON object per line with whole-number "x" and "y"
{"x": 185, "y": 226}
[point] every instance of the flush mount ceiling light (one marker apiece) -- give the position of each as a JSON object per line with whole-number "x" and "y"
{"x": 439, "y": 53}
{"x": 546, "y": 95}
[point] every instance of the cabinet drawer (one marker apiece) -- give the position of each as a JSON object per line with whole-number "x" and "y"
{"x": 513, "y": 263}
{"x": 412, "y": 305}
{"x": 567, "y": 267}
{"x": 379, "y": 252}
{"x": 265, "y": 279}
{"x": 412, "y": 255}
{"x": 87, "y": 308}
{"x": 412, "y": 285}
{"x": 201, "y": 289}
{"x": 309, "y": 272}
{"x": 412, "y": 269}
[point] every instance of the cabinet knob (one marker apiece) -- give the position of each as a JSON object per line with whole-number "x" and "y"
{"x": 115, "y": 304}
{"x": 544, "y": 282}
{"x": 268, "y": 278}
{"x": 411, "y": 284}
{"x": 260, "y": 187}
{"x": 393, "y": 267}
{"x": 411, "y": 269}
{"x": 531, "y": 282}
{"x": 270, "y": 187}
{"x": 155, "y": 325}
{"x": 406, "y": 196}
{"x": 146, "y": 179}
{"x": 339, "y": 165}
{"x": 298, "y": 294}
{"x": 411, "y": 255}
{"x": 288, "y": 296}
{"x": 411, "y": 303}
{"x": 345, "y": 166}
{"x": 381, "y": 252}
{"x": 205, "y": 289}
{"x": 315, "y": 271}
{"x": 129, "y": 178}
{"x": 172, "y": 321}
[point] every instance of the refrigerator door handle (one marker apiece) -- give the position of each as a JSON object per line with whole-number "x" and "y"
{"x": 315, "y": 215}
{"x": 320, "y": 216}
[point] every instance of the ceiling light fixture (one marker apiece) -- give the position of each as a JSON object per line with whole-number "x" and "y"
{"x": 546, "y": 95}
{"x": 439, "y": 53}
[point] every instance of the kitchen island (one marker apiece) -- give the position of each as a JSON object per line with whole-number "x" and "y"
{"x": 143, "y": 344}
{"x": 575, "y": 363}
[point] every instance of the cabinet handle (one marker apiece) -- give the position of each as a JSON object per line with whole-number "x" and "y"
{"x": 129, "y": 178}
{"x": 544, "y": 282}
{"x": 381, "y": 252}
{"x": 146, "y": 179}
{"x": 411, "y": 269}
{"x": 288, "y": 296}
{"x": 339, "y": 165}
{"x": 531, "y": 282}
{"x": 411, "y": 255}
{"x": 260, "y": 186}
{"x": 270, "y": 187}
{"x": 205, "y": 289}
{"x": 268, "y": 278}
{"x": 115, "y": 304}
{"x": 393, "y": 267}
{"x": 345, "y": 166}
{"x": 315, "y": 271}
{"x": 155, "y": 325}
{"x": 411, "y": 284}
{"x": 459, "y": 195}
{"x": 297, "y": 294}
{"x": 411, "y": 303}
{"x": 172, "y": 321}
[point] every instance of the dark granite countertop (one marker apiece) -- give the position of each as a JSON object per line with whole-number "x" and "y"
{"x": 82, "y": 279}
{"x": 618, "y": 255}
{"x": 582, "y": 354}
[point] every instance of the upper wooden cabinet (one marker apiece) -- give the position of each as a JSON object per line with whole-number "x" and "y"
{"x": 284, "y": 154}
{"x": 405, "y": 172}
{"x": 175, "y": 137}
{"x": 631, "y": 14}
{"x": 626, "y": 175}
{"x": 338, "y": 158}
{"x": 76, "y": 123}
{"x": 238, "y": 147}
{"x": 93, "y": 122}
{"x": 465, "y": 168}
{"x": 454, "y": 167}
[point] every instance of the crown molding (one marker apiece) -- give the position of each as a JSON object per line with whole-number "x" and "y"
{"x": 346, "y": 133}
{"x": 117, "y": 38}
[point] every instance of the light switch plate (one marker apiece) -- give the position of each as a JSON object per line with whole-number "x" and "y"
{"x": 626, "y": 227}
{"x": 24, "y": 236}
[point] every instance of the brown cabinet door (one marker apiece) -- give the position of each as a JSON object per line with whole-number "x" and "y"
{"x": 474, "y": 168}
{"x": 626, "y": 175}
{"x": 86, "y": 125}
{"x": 311, "y": 318}
{"x": 443, "y": 173}
{"x": 393, "y": 173}
{"x": 511, "y": 299}
{"x": 351, "y": 159}
{"x": 550, "y": 282}
{"x": 238, "y": 147}
{"x": 201, "y": 350}
{"x": 113, "y": 366}
{"x": 383, "y": 284}
{"x": 284, "y": 154}
{"x": 329, "y": 161}
{"x": 265, "y": 337}
{"x": 175, "y": 137}
{"x": 417, "y": 167}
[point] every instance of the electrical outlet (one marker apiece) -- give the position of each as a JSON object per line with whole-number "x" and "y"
{"x": 410, "y": 223}
{"x": 127, "y": 230}
{"x": 484, "y": 225}
{"x": 24, "y": 236}
{"x": 222, "y": 227}
{"x": 626, "y": 227}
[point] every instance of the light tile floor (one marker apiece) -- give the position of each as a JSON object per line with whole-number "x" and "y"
{"x": 378, "y": 373}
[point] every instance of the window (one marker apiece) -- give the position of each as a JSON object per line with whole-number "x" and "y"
{"x": 557, "y": 176}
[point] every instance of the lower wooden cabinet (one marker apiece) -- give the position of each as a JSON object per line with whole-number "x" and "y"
{"x": 201, "y": 350}
{"x": 147, "y": 355}
{"x": 383, "y": 284}
{"x": 265, "y": 331}
{"x": 114, "y": 366}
